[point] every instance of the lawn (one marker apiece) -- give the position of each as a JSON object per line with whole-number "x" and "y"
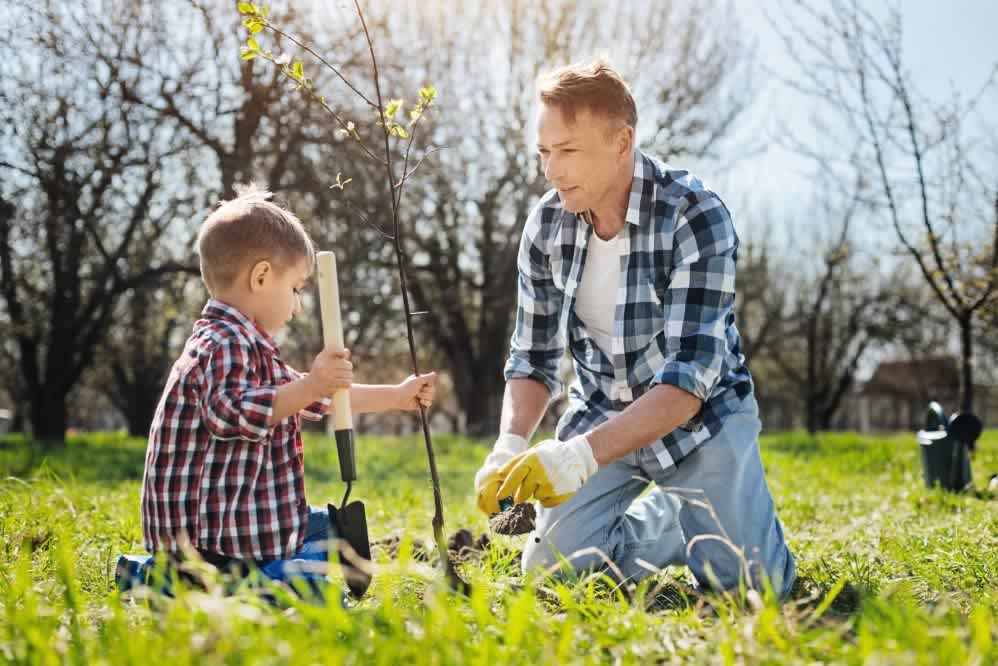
{"x": 890, "y": 572}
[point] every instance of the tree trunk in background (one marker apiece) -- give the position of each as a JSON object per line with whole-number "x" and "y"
{"x": 49, "y": 418}
{"x": 967, "y": 364}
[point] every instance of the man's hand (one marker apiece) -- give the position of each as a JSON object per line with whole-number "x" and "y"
{"x": 551, "y": 472}
{"x": 416, "y": 391}
{"x": 487, "y": 480}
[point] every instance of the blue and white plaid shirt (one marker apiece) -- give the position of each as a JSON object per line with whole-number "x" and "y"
{"x": 674, "y": 322}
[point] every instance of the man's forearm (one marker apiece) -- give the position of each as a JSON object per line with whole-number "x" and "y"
{"x": 523, "y": 404}
{"x": 652, "y": 416}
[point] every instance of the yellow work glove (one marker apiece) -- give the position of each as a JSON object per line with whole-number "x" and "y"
{"x": 487, "y": 480}
{"x": 551, "y": 472}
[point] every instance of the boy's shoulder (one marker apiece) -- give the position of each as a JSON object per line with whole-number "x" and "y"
{"x": 211, "y": 335}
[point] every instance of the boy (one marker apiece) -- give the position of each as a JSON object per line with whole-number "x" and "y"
{"x": 224, "y": 470}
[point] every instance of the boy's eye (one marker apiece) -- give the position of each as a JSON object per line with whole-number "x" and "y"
{"x": 297, "y": 290}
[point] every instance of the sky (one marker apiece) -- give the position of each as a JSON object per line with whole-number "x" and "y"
{"x": 948, "y": 44}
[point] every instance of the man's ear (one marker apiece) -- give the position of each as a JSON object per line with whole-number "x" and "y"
{"x": 625, "y": 141}
{"x": 261, "y": 272}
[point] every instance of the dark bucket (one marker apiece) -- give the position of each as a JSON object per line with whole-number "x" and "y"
{"x": 945, "y": 460}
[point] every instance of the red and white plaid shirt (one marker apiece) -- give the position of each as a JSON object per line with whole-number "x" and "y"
{"x": 217, "y": 476}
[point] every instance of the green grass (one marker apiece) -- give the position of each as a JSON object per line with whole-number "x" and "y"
{"x": 890, "y": 572}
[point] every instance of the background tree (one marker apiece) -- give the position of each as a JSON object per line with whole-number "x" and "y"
{"x": 844, "y": 307}
{"x": 766, "y": 288}
{"x": 86, "y": 180}
{"x": 930, "y": 180}
{"x": 138, "y": 353}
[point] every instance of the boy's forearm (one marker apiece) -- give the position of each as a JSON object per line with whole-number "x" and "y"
{"x": 367, "y": 398}
{"x": 293, "y": 397}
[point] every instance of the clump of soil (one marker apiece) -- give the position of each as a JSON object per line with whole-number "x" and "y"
{"x": 462, "y": 545}
{"x": 390, "y": 544}
{"x": 520, "y": 519}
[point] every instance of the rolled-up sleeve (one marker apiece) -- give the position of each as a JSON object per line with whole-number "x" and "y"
{"x": 235, "y": 405}
{"x": 700, "y": 297}
{"x": 316, "y": 410}
{"x": 538, "y": 342}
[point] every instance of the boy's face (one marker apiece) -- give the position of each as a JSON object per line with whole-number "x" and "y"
{"x": 277, "y": 293}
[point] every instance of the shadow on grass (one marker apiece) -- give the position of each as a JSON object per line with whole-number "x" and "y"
{"x": 806, "y": 596}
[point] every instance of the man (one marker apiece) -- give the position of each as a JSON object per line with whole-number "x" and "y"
{"x": 632, "y": 265}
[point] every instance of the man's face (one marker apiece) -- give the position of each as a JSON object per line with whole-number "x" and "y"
{"x": 581, "y": 159}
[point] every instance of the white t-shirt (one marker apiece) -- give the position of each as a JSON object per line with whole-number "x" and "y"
{"x": 596, "y": 297}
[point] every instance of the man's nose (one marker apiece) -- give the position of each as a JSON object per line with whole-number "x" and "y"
{"x": 552, "y": 170}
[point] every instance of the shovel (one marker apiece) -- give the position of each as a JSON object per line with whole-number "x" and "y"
{"x": 349, "y": 520}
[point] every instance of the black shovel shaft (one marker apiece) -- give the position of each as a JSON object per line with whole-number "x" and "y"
{"x": 348, "y": 462}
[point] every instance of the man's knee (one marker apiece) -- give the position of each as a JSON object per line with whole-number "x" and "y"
{"x": 719, "y": 565}
{"x": 562, "y": 551}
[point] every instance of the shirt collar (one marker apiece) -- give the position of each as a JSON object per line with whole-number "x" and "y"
{"x": 216, "y": 309}
{"x": 639, "y": 203}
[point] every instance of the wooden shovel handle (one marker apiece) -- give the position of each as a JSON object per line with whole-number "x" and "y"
{"x": 332, "y": 330}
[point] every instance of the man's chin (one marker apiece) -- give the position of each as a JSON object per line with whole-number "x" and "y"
{"x": 571, "y": 206}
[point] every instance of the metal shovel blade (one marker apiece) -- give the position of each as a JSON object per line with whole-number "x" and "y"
{"x": 350, "y": 526}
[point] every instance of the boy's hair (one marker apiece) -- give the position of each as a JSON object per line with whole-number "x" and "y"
{"x": 593, "y": 85}
{"x": 248, "y": 229}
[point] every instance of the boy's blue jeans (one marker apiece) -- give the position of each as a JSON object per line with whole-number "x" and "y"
{"x": 308, "y": 566}
{"x": 713, "y": 512}
{"x": 318, "y": 532}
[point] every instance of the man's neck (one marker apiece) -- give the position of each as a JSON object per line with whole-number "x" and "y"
{"x": 610, "y": 215}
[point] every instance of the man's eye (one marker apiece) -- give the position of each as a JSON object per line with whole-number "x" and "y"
{"x": 297, "y": 290}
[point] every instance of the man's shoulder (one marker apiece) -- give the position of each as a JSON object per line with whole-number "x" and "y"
{"x": 685, "y": 195}
{"x": 676, "y": 183}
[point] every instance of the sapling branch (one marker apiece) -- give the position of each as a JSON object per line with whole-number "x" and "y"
{"x": 256, "y": 21}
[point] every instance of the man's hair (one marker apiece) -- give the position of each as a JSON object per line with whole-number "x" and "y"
{"x": 593, "y": 85}
{"x": 248, "y": 229}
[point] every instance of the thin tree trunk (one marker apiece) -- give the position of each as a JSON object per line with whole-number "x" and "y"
{"x": 967, "y": 369}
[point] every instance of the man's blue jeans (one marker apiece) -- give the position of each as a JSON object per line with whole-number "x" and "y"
{"x": 713, "y": 513}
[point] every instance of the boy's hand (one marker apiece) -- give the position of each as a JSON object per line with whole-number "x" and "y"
{"x": 331, "y": 371}
{"x": 416, "y": 391}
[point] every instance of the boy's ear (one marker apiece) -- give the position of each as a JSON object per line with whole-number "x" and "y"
{"x": 259, "y": 274}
